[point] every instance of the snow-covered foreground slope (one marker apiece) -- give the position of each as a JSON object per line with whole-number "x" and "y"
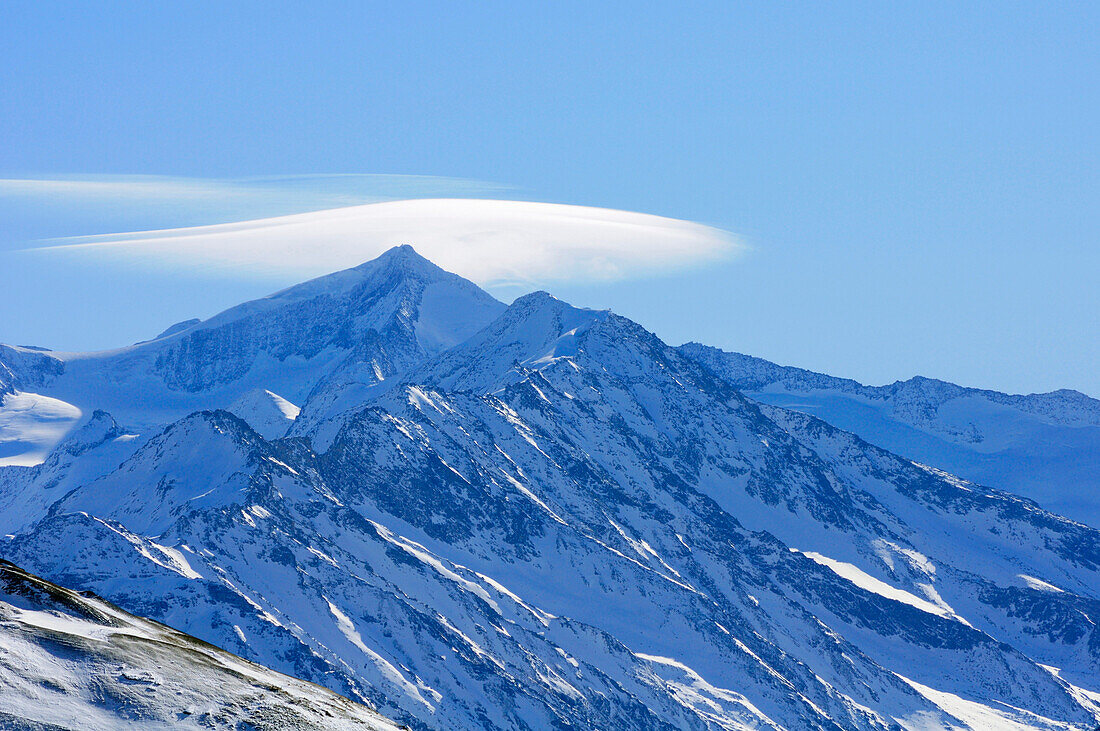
{"x": 1042, "y": 446}
{"x": 561, "y": 522}
{"x": 70, "y": 660}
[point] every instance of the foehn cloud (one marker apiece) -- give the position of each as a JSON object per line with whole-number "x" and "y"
{"x": 488, "y": 241}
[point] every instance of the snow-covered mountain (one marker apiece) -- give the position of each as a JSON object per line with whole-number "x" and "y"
{"x": 343, "y": 331}
{"x": 1043, "y": 446}
{"x": 551, "y": 519}
{"x": 70, "y": 660}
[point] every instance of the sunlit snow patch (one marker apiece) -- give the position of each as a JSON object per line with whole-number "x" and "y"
{"x": 31, "y": 425}
{"x": 386, "y": 668}
{"x": 975, "y": 715}
{"x": 265, "y": 411}
{"x": 865, "y": 581}
{"x": 1040, "y": 585}
{"x": 708, "y": 701}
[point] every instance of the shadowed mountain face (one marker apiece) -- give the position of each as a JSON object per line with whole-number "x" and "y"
{"x": 544, "y": 517}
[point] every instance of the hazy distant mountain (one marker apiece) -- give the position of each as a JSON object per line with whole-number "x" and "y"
{"x": 541, "y": 516}
{"x": 1043, "y": 446}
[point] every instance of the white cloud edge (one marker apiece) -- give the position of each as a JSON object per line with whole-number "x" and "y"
{"x": 491, "y": 242}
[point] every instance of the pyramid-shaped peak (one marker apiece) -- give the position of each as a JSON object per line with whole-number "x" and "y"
{"x": 538, "y": 298}
{"x": 397, "y": 265}
{"x": 542, "y": 300}
{"x": 406, "y": 259}
{"x": 400, "y": 298}
{"x": 400, "y": 267}
{"x": 402, "y": 252}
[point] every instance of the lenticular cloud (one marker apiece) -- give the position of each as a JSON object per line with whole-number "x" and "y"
{"x": 488, "y": 241}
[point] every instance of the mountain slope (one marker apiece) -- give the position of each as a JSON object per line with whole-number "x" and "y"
{"x": 268, "y": 413}
{"x": 565, "y": 521}
{"x": 91, "y": 451}
{"x": 1042, "y": 446}
{"x": 73, "y": 661}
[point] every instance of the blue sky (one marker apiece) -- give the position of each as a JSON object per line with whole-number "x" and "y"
{"x": 917, "y": 184}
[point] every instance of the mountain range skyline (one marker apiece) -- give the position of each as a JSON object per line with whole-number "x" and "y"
{"x": 112, "y": 240}
{"x": 1036, "y": 459}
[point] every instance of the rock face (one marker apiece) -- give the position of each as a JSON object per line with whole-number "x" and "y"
{"x": 555, "y": 520}
{"x": 74, "y": 661}
{"x": 26, "y": 369}
{"x": 1043, "y": 446}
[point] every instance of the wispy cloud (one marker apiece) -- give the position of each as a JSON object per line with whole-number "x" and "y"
{"x": 489, "y": 241}
{"x": 165, "y": 187}
{"x": 118, "y": 202}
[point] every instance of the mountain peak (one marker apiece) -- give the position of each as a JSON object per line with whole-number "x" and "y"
{"x": 400, "y": 262}
{"x": 98, "y": 429}
{"x": 536, "y": 329}
{"x": 404, "y": 257}
{"x": 542, "y": 301}
{"x": 399, "y": 294}
{"x": 539, "y": 295}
